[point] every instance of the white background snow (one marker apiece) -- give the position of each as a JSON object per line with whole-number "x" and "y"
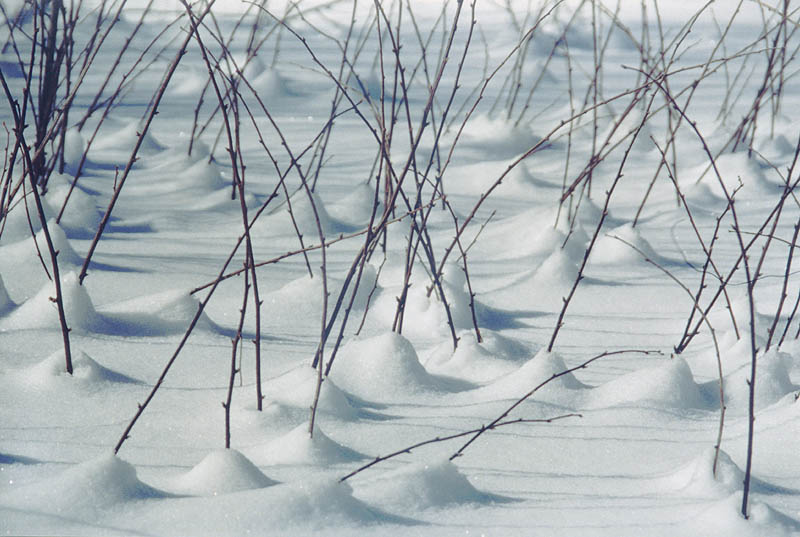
{"x": 635, "y": 454}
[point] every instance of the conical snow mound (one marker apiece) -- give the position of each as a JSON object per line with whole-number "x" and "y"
{"x": 380, "y": 367}
{"x": 724, "y": 518}
{"x": 124, "y": 140}
{"x": 81, "y": 215}
{"x": 669, "y": 385}
{"x": 772, "y": 382}
{"x": 476, "y": 362}
{"x": 84, "y": 370}
{"x": 297, "y": 447}
{"x": 221, "y": 472}
{"x": 41, "y": 312}
{"x": 424, "y": 486}
{"x": 296, "y": 389}
{"x": 26, "y": 251}
{"x": 160, "y": 313}
{"x": 534, "y": 372}
{"x": 5, "y": 301}
{"x": 610, "y": 250}
{"x": 697, "y": 477}
{"x": 279, "y": 221}
{"x": 90, "y": 487}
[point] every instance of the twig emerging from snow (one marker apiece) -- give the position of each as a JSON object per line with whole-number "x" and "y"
{"x": 506, "y": 412}
{"x": 722, "y": 407}
{"x": 480, "y": 430}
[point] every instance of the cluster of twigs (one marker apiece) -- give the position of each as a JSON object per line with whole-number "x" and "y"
{"x": 414, "y": 144}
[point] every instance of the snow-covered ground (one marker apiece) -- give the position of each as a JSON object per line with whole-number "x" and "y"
{"x": 623, "y": 446}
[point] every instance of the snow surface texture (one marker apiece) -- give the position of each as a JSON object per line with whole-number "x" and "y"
{"x": 626, "y": 446}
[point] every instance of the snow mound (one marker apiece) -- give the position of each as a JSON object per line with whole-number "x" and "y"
{"x": 300, "y": 508}
{"x": 296, "y": 389}
{"x": 87, "y": 488}
{"x": 297, "y": 447}
{"x": 547, "y": 284}
{"x": 175, "y": 159}
{"x": 221, "y": 199}
{"x": 189, "y": 84}
{"x": 540, "y": 231}
{"x": 221, "y": 472}
{"x": 535, "y": 371}
{"x": 700, "y": 195}
{"x": 380, "y": 367}
{"x": 81, "y": 216}
{"x": 521, "y": 182}
{"x": 609, "y": 250}
{"x": 496, "y": 139}
{"x": 622, "y": 133}
{"x": 724, "y": 518}
{"x": 24, "y": 251}
{"x": 739, "y": 350}
{"x": 6, "y": 304}
{"x": 279, "y": 220}
{"x": 201, "y": 176}
{"x": 85, "y": 370}
{"x": 772, "y": 382}
{"x": 668, "y": 385}
{"x": 267, "y": 82}
{"x": 476, "y": 362}
{"x": 558, "y": 271}
{"x": 366, "y": 286}
{"x": 15, "y": 225}
{"x": 74, "y": 147}
{"x": 355, "y": 208}
{"x": 777, "y": 147}
{"x": 518, "y": 183}
{"x": 61, "y": 244}
{"x": 271, "y": 85}
{"x": 124, "y": 140}
{"x": 548, "y": 239}
{"x": 425, "y": 315}
{"x": 299, "y": 298}
{"x": 696, "y": 479}
{"x": 418, "y": 486}
{"x": 160, "y": 313}
{"x": 733, "y": 168}
{"x": 302, "y": 297}
{"x": 41, "y": 312}
{"x": 175, "y": 172}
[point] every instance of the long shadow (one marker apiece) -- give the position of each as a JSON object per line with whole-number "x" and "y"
{"x": 499, "y": 319}
{"x": 7, "y": 458}
{"x": 115, "y": 227}
{"x": 67, "y": 523}
{"x": 113, "y": 268}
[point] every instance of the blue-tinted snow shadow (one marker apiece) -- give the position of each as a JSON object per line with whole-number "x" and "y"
{"x": 136, "y": 324}
{"x": 116, "y": 227}
{"x": 67, "y": 525}
{"x": 500, "y": 319}
{"x": 7, "y": 458}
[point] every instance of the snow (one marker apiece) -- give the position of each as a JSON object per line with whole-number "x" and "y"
{"x": 221, "y": 472}
{"x": 296, "y": 387}
{"x": 86, "y": 372}
{"x": 297, "y": 447}
{"x": 41, "y": 312}
{"x": 87, "y": 488}
{"x": 669, "y": 385}
{"x": 381, "y": 368}
{"x": 433, "y": 485}
{"x": 623, "y": 446}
